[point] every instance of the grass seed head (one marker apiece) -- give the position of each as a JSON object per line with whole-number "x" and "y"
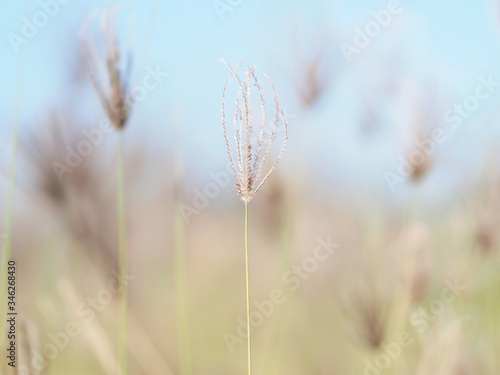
{"x": 252, "y": 140}
{"x": 109, "y": 77}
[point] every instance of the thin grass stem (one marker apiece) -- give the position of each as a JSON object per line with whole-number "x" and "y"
{"x": 249, "y": 343}
{"x": 123, "y": 260}
{"x": 183, "y": 326}
{"x": 182, "y": 311}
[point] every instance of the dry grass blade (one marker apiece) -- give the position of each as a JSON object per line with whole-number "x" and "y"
{"x": 93, "y": 332}
{"x": 252, "y": 148}
{"x": 28, "y": 346}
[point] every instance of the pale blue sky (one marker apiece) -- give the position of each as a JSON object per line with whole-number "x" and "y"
{"x": 447, "y": 42}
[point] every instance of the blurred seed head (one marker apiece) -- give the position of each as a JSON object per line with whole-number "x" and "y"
{"x": 367, "y": 305}
{"x": 47, "y": 144}
{"x": 371, "y": 319}
{"x": 314, "y": 77}
{"x": 253, "y": 141}
{"x": 426, "y": 119}
{"x": 83, "y": 203}
{"x": 486, "y": 236}
{"x": 414, "y": 245}
{"x": 110, "y": 77}
{"x": 487, "y": 217}
{"x": 315, "y": 63}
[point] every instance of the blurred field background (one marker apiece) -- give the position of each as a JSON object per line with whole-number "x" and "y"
{"x": 400, "y": 246}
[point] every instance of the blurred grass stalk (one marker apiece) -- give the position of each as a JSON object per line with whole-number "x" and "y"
{"x": 123, "y": 257}
{"x": 9, "y": 209}
{"x": 112, "y": 83}
{"x": 183, "y": 326}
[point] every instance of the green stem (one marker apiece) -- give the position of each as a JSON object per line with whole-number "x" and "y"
{"x": 183, "y": 331}
{"x": 123, "y": 259}
{"x": 249, "y": 343}
{"x": 182, "y": 311}
{"x": 6, "y": 238}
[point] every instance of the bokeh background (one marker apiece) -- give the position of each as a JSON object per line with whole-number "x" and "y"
{"x": 351, "y": 122}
